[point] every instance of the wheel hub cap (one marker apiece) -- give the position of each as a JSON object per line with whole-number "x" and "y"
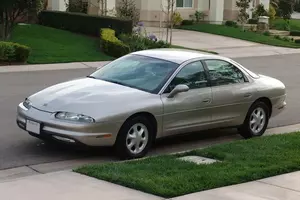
{"x": 257, "y": 120}
{"x": 137, "y": 138}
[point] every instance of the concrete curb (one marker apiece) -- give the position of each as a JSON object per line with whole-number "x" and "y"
{"x": 50, "y": 67}
{"x": 45, "y": 168}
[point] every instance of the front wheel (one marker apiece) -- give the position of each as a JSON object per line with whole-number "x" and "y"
{"x": 135, "y": 138}
{"x": 256, "y": 121}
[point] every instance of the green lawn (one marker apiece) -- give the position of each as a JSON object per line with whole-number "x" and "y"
{"x": 239, "y": 34}
{"x": 279, "y": 24}
{"x": 51, "y": 45}
{"x": 242, "y": 161}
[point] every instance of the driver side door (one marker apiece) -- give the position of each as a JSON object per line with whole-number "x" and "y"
{"x": 188, "y": 111}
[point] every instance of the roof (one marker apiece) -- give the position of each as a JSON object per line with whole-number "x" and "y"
{"x": 175, "y": 55}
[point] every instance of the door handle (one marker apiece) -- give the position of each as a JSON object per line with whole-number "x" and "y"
{"x": 247, "y": 95}
{"x": 206, "y": 100}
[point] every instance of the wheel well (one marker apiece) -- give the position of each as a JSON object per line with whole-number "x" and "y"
{"x": 268, "y": 102}
{"x": 149, "y": 116}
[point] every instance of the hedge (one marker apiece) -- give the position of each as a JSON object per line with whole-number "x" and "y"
{"x": 13, "y": 52}
{"x": 295, "y": 33}
{"x": 83, "y": 23}
{"x": 252, "y": 21}
{"x": 187, "y": 22}
{"x": 111, "y": 45}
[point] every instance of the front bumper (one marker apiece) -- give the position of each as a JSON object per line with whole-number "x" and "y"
{"x": 94, "y": 134}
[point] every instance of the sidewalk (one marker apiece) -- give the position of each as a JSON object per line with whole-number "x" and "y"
{"x": 67, "y": 185}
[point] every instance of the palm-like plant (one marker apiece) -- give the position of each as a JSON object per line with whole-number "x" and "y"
{"x": 274, "y": 3}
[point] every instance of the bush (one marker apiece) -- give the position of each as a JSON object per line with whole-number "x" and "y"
{"x": 13, "y": 52}
{"x": 138, "y": 43}
{"x": 252, "y": 21}
{"x": 272, "y": 12}
{"x": 177, "y": 19}
{"x": 267, "y": 33}
{"x": 297, "y": 41}
{"x": 83, "y": 23}
{"x": 231, "y": 24}
{"x": 295, "y": 33}
{"x": 111, "y": 45}
{"x": 187, "y": 22}
{"x": 260, "y": 11}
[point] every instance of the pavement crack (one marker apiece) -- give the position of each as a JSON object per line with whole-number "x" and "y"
{"x": 34, "y": 169}
{"x": 278, "y": 186}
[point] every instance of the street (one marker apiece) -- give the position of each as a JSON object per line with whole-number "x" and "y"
{"x": 17, "y": 148}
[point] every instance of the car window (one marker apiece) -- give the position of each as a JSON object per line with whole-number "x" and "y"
{"x": 224, "y": 73}
{"x": 192, "y": 75}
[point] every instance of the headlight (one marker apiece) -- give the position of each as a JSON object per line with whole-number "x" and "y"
{"x": 74, "y": 117}
{"x": 27, "y": 104}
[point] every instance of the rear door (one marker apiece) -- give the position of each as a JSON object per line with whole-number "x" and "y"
{"x": 232, "y": 92}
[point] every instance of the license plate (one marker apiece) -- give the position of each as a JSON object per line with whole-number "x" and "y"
{"x": 33, "y": 127}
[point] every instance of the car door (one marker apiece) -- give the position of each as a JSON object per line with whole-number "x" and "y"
{"x": 232, "y": 93}
{"x": 187, "y": 111}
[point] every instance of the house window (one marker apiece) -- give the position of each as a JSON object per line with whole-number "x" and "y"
{"x": 184, "y": 3}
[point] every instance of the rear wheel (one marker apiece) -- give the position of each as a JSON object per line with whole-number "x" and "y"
{"x": 135, "y": 138}
{"x": 256, "y": 121}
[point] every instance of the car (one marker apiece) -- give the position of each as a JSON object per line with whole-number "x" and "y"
{"x": 133, "y": 100}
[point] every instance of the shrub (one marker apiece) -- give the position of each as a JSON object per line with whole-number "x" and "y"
{"x": 267, "y": 33}
{"x": 83, "y": 23}
{"x": 77, "y": 6}
{"x": 13, "y": 52}
{"x": 111, "y": 45}
{"x": 187, "y": 22}
{"x": 252, "y": 21}
{"x": 138, "y": 43}
{"x": 297, "y": 41}
{"x": 260, "y": 11}
{"x": 272, "y": 12}
{"x": 295, "y": 33}
{"x": 231, "y": 24}
{"x": 177, "y": 19}
{"x": 199, "y": 16}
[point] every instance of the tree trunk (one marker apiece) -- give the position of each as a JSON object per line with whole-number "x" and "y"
{"x": 168, "y": 21}
{"x": 172, "y": 19}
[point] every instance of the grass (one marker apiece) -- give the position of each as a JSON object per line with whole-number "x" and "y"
{"x": 201, "y": 50}
{"x": 239, "y": 34}
{"x": 51, "y": 45}
{"x": 242, "y": 161}
{"x": 280, "y": 24}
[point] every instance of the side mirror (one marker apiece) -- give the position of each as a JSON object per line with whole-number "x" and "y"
{"x": 178, "y": 89}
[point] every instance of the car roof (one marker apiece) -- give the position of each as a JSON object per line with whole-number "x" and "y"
{"x": 177, "y": 55}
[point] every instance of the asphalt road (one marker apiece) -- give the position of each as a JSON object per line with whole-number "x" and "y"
{"x": 17, "y": 148}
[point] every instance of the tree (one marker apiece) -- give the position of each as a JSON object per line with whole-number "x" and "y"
{"x": 11, "y": 10}
{"x": 260, "y": 11}
{"x": 169, "y": 11}
{"x": 286, "y": 8}
{"x": 128, "y": 10}
{"x": 243, "y": 15}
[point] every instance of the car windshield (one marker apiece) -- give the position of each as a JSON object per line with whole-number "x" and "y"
{"x": 140, "y": 72}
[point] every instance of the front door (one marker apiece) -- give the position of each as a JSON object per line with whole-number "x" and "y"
{"x": 188, "y": 111}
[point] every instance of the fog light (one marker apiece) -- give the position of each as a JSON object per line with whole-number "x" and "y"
{"x": 64, "y": 139}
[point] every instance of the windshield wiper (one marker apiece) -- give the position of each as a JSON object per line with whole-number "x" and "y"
{"x": 116, "y": 82}
{"x": 91, "y": 77}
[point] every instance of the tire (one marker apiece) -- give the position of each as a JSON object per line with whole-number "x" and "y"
{"x": 255, "y": 126}
{"x": 127, "y": 136}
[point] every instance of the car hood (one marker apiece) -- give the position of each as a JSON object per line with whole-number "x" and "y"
{"x": 84, "y": 96}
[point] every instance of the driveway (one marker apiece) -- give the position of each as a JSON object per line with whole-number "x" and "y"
{"x": 225, "y": 46}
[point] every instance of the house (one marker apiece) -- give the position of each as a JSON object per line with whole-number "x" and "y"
{"x": 151, "y": 10}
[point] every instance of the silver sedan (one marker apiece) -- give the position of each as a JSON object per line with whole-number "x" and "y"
{"x": 150, "y": 94}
